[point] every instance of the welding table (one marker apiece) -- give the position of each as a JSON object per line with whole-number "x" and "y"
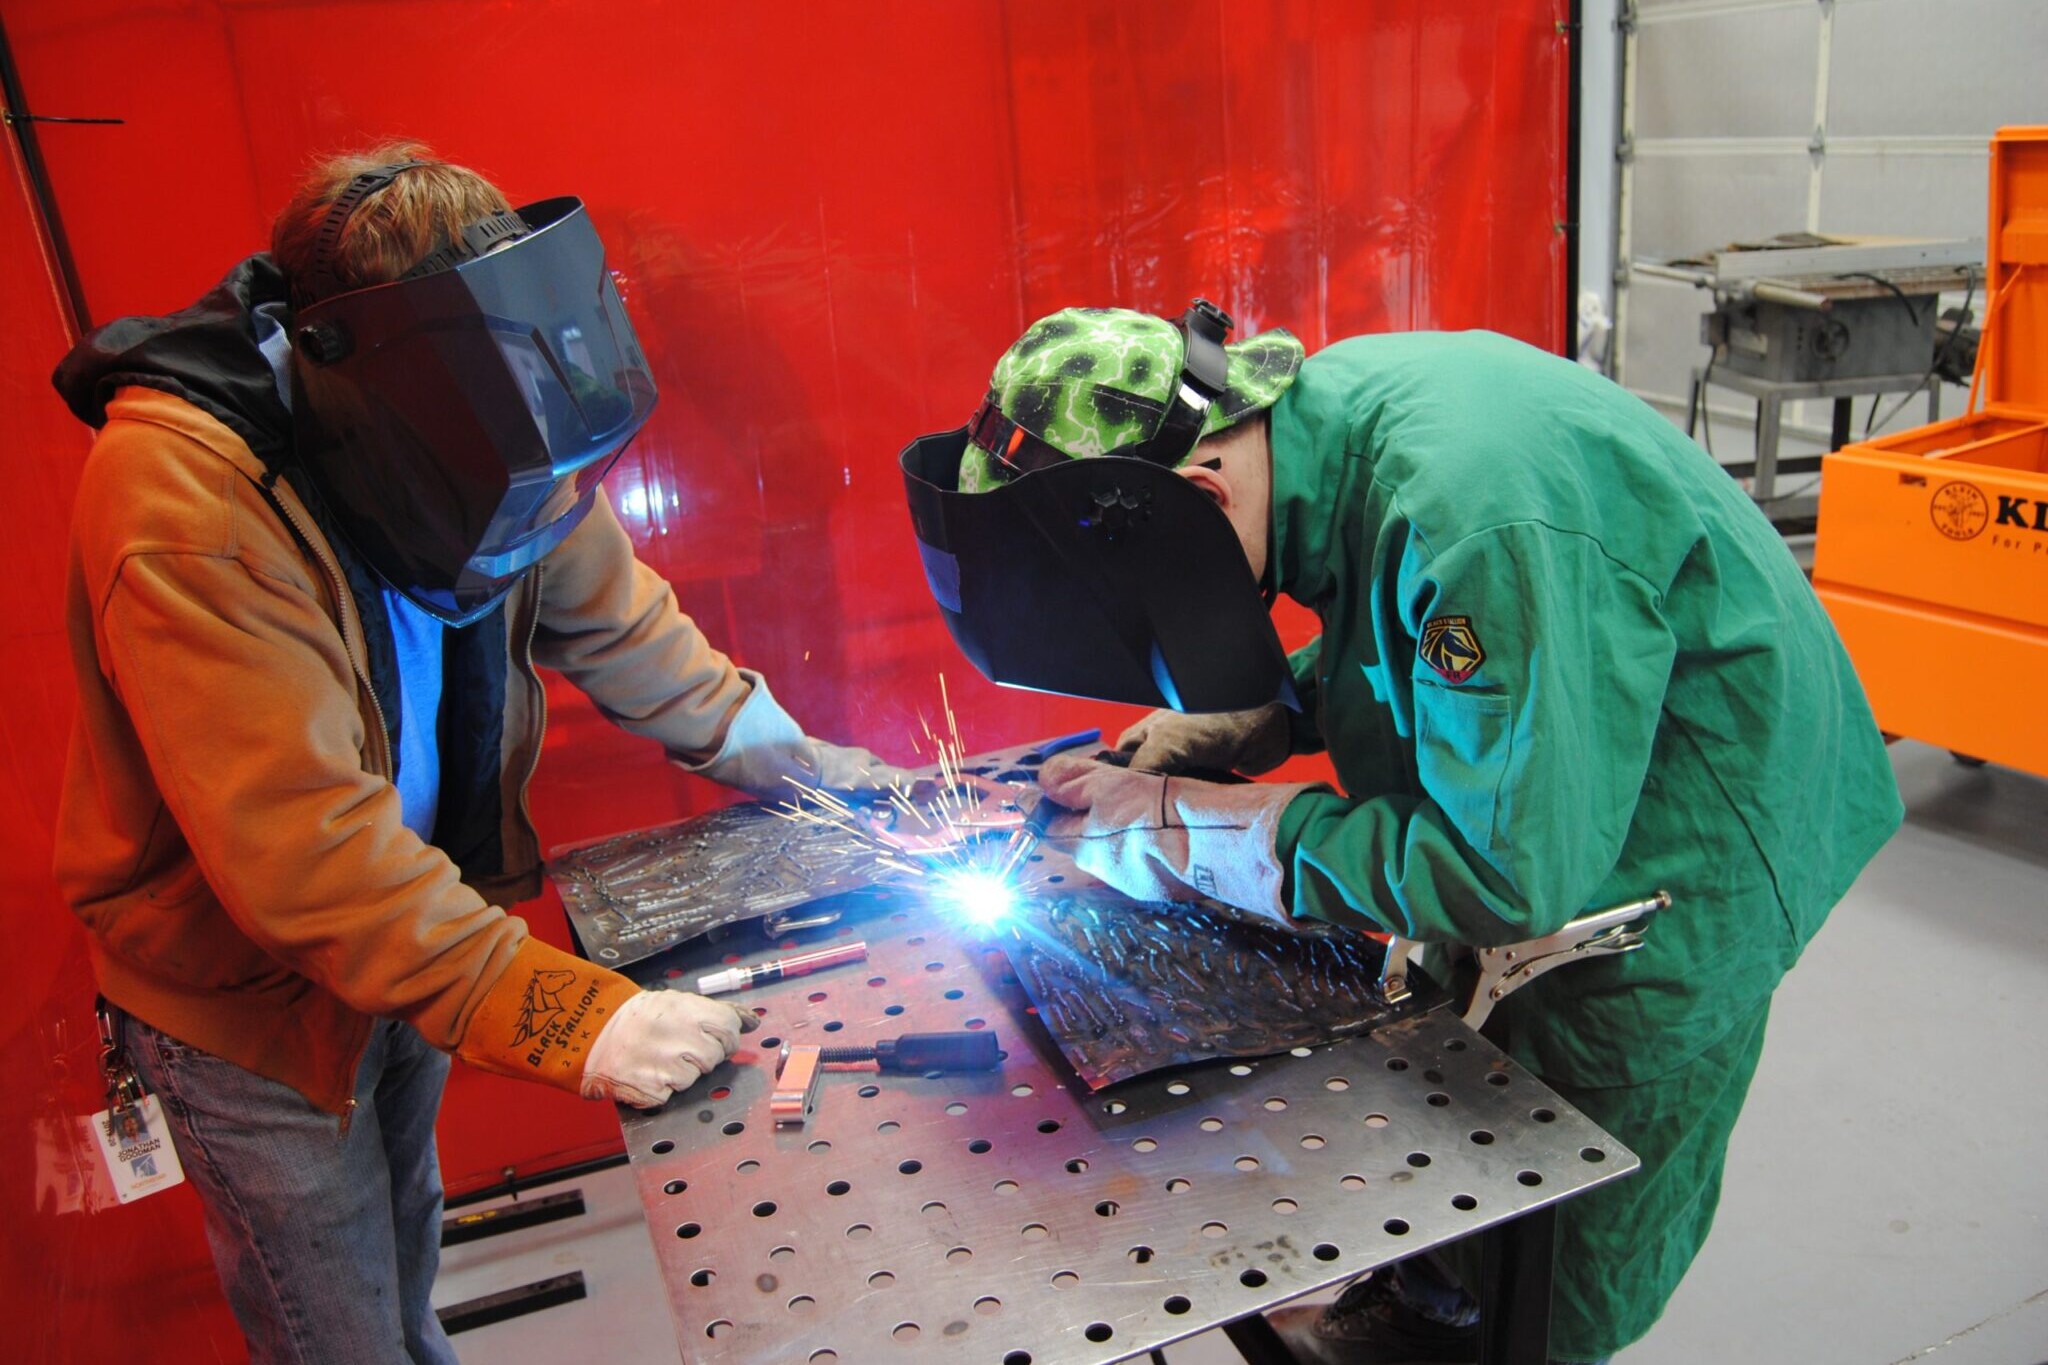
{"x": 1012, "y": 1217}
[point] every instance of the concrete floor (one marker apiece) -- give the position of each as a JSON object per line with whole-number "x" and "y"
{"x": 1886, "y": 1188}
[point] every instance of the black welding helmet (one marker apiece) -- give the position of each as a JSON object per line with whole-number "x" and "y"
{"x": 457, "y": 421}
{"x": 1108, "y": 576}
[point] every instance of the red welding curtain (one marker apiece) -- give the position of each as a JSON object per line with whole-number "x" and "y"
{"x": 830, "y": 217}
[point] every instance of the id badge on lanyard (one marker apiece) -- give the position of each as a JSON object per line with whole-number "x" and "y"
{"x": 130, "y": 1134}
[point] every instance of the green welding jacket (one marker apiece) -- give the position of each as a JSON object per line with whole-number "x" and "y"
{"x": 1565, "y": 662}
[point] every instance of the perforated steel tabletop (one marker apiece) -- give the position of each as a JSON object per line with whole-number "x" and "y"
{"x": 1015, "y": 1218}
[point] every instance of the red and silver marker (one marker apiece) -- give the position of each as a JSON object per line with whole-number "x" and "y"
{"x": 803, "y": 964}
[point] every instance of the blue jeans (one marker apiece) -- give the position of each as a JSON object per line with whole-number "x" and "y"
{"x": 326, "y": 1245}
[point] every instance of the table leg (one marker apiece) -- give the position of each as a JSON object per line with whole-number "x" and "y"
{"x": 1933, "y": 401}
{"x": 1257, "y": 1342}
{"x": 1692, "y": 403}
{"x": 1764, "y": 486}
{"x": 1514, "y": 1289}
{"x": 1845, "y": 417}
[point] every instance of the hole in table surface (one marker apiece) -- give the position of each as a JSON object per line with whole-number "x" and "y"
{"x": 1301, "y": 1052}
{"x": 815, "y": 996}
{"x": 1178, "y": 1185}
{"x": 1275, "y": 1105}
{"x": 688, "y": 1230}
{"x": 868, "y": 1092}
{"x": 1098, "y": 1331}
{"x": 1214, "y": 1230}
{"x": 1437, "y": 1099}
{"x": 721, "y": 1092}
{"x": 956, "y": 1109}
{"x": 878, "y": 981}
{"x": 802, "y": 1303}
{"x": 717, "y": 1329}
{"x": 1252, "y": 1278}
{"x": 1048, "y": 1125}
{"x": 1020, "y": 1090}
{"x": 703, "y": 1278}
{"x": 1337, "y": 1083}
{"x": 1454, "y": 1045}
{"x": 734, "y": 1128}
{"x": 915, "y": 940}
{"x": 1376, "y": 1120}
{"x": 1017, "y": 1358}
{"x": 960, "y": 1255}
{"x": 663, "y": 1147}
{"x": 1211, "y": 1125}
{"x": 1178, "y": 1087}
{"x": 977, "y": 1023}
{"x": 860, "y": 1232}
{"x": 833, "y": 1026}
{"x": 892, "y": 1010}
{"x": 1396, "y": 1227}
{"x": 1496, "y": 1078}
{"x": 1006, "y": 1187}
{"x": 933, "y": 1208}
{"x": 1464, "y": 1203}
{"x": 1241, "y": 1069}
{"x": 1114, "y": 1106}
{"x": 837, "y": 1187}
{"x": 765, "y": 1209}
{"x": 881, "y": 1279}
{"x": 1144, "y": 1144}
{"x": 1352, "y": 1182}
{"x": 1314, "y": 1142}
{"x": 1285, "y": 1206}
{"x": 748, "y": 1167}
{"x": 1077, "y": 1167}
{"x": 940, "y": 967}
{"x": 1035, "y": 1232}
{"x": 675, "y": 1187}
{"x": 906, "y": 1331}
{"x": 988, "y": 1305}
{"x": 1325, "y": 1251}
{"x": 782, "y": 1253}
{"x": 1140, "y": 1255}
{"x": 1591, "y": 1154}
{"x": 1397, "y": 1063}
{"x": 1481, "y": 1137}
{"x": 1108, "y": 1208}
{"x": 824, "y": 1355}
{"x": 910, "y": 1167}
{"x": 1065, "y": 1279}
{"x": 1418, "y": 1159}
{"x": 1246, "y": 1163}
{"x": 1529, "y": 1178}
{"x": 1543, "y": 1115}
{"x": 954, "y": 994}
{"x": 769, "y": 1044}
{"x": 980, "y": 1146}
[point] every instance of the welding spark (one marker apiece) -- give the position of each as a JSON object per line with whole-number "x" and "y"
{"x": 983, "y": 899}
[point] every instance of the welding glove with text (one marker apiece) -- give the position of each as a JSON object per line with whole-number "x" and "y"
{"x": 659, "y": 1042}
{"x": 768, "y": 754}
{"x": 1158, "y": 838}
{"x": 1254, "y": 741}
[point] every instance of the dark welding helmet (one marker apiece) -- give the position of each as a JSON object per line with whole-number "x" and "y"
{"x": 1110, "y": 576}
{"x": 457, "y": 421}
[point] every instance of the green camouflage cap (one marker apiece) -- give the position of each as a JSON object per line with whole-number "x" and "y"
{"x": 1090, "y": 381}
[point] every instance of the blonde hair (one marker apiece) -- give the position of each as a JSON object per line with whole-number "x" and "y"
{"x": 423, "y": 209}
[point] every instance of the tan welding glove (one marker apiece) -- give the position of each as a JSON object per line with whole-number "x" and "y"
{"x": 1158, "y": 838}
{"x": 660, "y": 1042}
{"x": 1251, "y": 742}
{"x": 768, "y": 754}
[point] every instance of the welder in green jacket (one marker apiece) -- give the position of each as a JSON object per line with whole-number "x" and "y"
{"x": 1564, "y": 663}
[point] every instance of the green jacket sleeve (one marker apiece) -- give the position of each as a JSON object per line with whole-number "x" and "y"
{"x": 1530, "y": 767}
{"x": 1305, "y": 736}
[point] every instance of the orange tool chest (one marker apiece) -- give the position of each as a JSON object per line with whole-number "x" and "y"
{"x": 1932, "y": 551}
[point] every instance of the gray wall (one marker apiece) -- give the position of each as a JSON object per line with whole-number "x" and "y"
{"x": 1727, "y": 98}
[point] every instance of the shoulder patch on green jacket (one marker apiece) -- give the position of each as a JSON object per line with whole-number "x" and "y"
{"x": 1451, "y": 646}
